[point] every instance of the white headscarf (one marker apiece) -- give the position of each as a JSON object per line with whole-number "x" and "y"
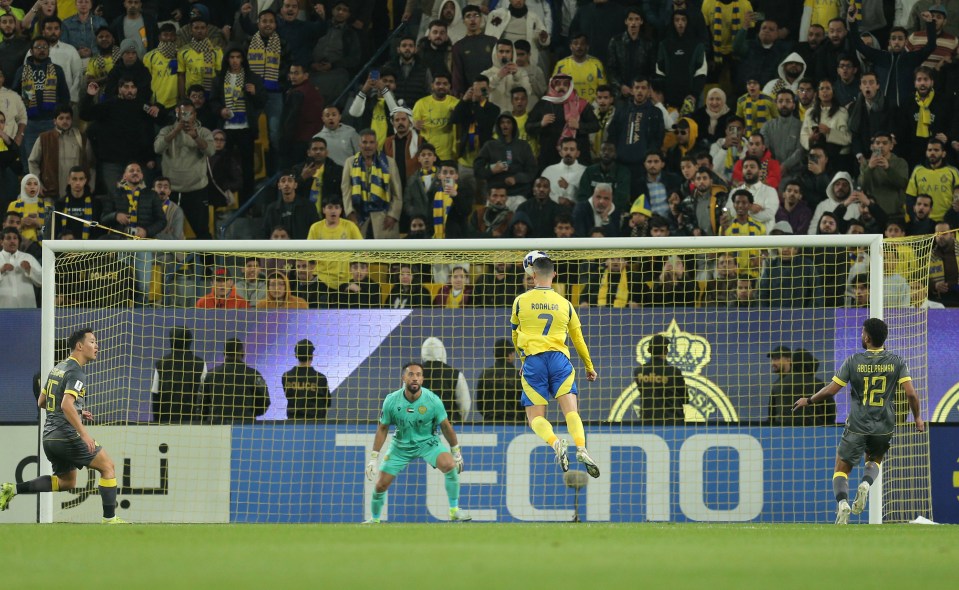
{"x": 414, "y": 136}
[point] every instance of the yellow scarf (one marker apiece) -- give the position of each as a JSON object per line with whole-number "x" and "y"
{"x": 924, "y": 116}
{"x": 622, "y": 291}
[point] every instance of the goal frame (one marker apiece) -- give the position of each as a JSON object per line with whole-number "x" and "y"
{"x": 873, "y": 242}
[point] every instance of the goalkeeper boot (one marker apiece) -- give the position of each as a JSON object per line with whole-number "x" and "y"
{"x": 842, "y": 513}
{"x": 562, "y": 457}
{"x": 114, "y": 520}
{"x": 582, "y": 455}
{"x": 862, "y": 494}
{"x": 7, "y": 492}
{"x": 458, "y": 515}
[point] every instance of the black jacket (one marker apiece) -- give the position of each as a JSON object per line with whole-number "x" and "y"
{"x": 150, "y": 214}
{"x": 122, "y": 130}
{"x": 254, "y": 102}
{"x": 307, "y": 394}
{"x": 549, "y": 135}
{"x": 413, "y": 85}
{"x": 296, "y": 217}
{"x": 496, "y": 396}
{"x": 179, "y": 389}
{"x": 234, "y": 393}
{"x": 662, "y": 389}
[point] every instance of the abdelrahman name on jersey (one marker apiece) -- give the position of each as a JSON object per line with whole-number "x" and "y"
{"x": 873, "y": 377}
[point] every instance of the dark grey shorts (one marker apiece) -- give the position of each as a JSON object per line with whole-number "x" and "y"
{"x": 68, "y": 454}
{"x": 853, "y": 445}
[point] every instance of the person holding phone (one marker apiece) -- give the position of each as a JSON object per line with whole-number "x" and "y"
{"x": 505, "y": 76}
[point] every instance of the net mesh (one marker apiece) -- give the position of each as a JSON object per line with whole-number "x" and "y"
{"x": 198, "y": 397}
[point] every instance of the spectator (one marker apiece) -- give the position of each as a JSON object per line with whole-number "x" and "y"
{"x": 80, "y": 29}
{"x": 129, "y": 66}
{"x": 755, "y": 108}
{"x": 515, "y": 22}
{"x": 944, "y": 267}
{"x": 598, "y": 212}
{"x": 493, "y": 219}
{"x": 816, "y": 176}
{"x": 920, "y": 223}
{"x": 804, "y": 368}
{"x": 451, "y": 204}
{"x": 475, "y": 117}
{"x": 839, "y": 192}
{"x": 333, "y": 227}
{"x": 31, "y": 207}
{"x": 789, "y": 281}
{"x": 106, "y": 55}
{"x": 499, "y": 287}
{"x": 770, "y": 172}
{"x": 178, "y": 378}
{"x": 64, "y": 55}
{"x": 421, "y": 184}
{"x": 303, "y": 117}
{"x": 507, "y": 161}
{"x": 199, "y": 60}
{"x": 19, "y": 273}
{"x": 585, "y": 71}
{"x": 805, "y": 97}
{"x": 741, "y": 223}
{"x": 601, "y": 21}
{"x": 728, "y": 150}
{"x": 234, "y": 392}
{"x": 403, "y": 144}
{"x": 604, "y": 107}
{"x": 836, "y": 44}
{"x": 13, "y": 45}
{"x": 457, "y": 293}
{"x": 944, "y": 43}
{"x": 536, "y": 75}
{"x": 435, "y": 49}
{"x": 561, "y": 113}
{"x": 307, "y": 390}
{"x": 171, "y": 211}
{"x": 204, "y": 113}
{"x": 42, "y": 85}
{"x": 672, "y": 287}
{"x": 630, "y": 53}
{"x": 934, "y": 178}
{"x": 269, "y": 57}
{"x": 57, "y": 151}
{"x": 225, "y": 171}
{"x": 373, "y": 197}
{"x": 794, "y": 211}
{"x": 827, "y": 122}
{"x": 342, "y": 140}
{"x": 337, "y": 54}
{"x": 542, "y": 210}
{"x": 846, "y": 84}
{"x": 884, "y": 175}
{"x": 360, "y": 292}
{"x": 661, "y": 386}
{"x": 376, "y": 113}
{"x": 896, "y": 65}
{"x": 636, "y": 128}
{"x": 745, "y": 295}
{"x": 136, "y": 26}
{"x": 412, "y": 77}
{"x": 707, "y": 200}
{"x": 720, "y": 289}
{"x": 711, "y": 117}
{"x": 433, "y": 117}
{"x": 505, "y": 77}
{"x": 279, "y": 295}
{"x": 496, "y": 388}
{"x": 784, "y": 391}
{"x": 928, "y": 116}
{"x": 791, "y": 70}
{"x": 564, "y": 177}
{"x": 304, "y": 284}
{"x": 297, "y": 216}
{"x": 185, "y": 147}
{"x": 238, "y": 97}
{"x": 727, "y": 19}
{"x": 607, "y": 171}
{"x": 782, "y": 134}
{"x": 14, "y": 122}
{"x": 252, "y": 286}
{"x": 765, "y": 200}
{"x": 869, "y": 115}
{"x": 78, "y": 202}
{"x": 406, "y": 293}
{"x": 952, "y": 214}
{"x": 656, "y": 183}
{"x": 472, "y": 55}
{"x": 444, "y": 380}
{"x": 760, "y": 56}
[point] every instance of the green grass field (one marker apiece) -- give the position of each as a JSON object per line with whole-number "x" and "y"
{"x": 489, "y": 556}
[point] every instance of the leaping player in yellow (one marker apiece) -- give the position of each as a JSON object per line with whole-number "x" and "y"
{"x": 541, "y": 321}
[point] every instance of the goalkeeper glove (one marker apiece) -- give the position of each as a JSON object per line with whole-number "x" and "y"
{"x": 371, "y": 465}
{"x": 458, "y": 458}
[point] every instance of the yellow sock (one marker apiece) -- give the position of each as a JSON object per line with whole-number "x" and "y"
{"x": 575, "y": 426}
{"x": 54, "y": 483}
{"x": 543, "y": 429}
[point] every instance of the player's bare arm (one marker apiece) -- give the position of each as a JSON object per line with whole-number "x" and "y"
{"x": 831, "y": 389}
{"x": 913, "y": 399}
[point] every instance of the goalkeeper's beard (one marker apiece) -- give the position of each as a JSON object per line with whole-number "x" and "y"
{"x": 413, "y": 389}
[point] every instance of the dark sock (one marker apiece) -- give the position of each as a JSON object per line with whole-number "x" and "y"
{"x": 871, "y": 472}
{"x": 108, "y": 494}
{"x": 35, "y": 486}
{"x": 840, "y": 485}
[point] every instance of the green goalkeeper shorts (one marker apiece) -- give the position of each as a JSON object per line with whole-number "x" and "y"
{"x": 397, "y": 459}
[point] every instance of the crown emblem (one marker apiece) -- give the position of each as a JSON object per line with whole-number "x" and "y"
{"x": 687, "y": 352}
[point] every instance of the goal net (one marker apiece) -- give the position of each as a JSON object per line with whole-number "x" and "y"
{"x": 242, "y": 381}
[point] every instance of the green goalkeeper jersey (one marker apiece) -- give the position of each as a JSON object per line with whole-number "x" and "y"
{"x": 415, "y": 421}
{"x": 873, "y": 378}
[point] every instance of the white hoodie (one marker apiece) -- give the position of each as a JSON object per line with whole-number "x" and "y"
{"x": 831, "y": 202}
{"x": 434, "y": 350}
{"x": 774, "y": 86}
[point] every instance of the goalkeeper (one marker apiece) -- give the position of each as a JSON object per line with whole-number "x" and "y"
{"x": 416, "y": 412}
{"x": 541, "y": 321}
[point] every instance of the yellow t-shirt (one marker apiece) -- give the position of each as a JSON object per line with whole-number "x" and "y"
{"x": 196, "y": 69}
{"x": 727, "y": 13}
{"x": 437, "y": 129}
{"x": 521, "y": 132}
{"x": 334, "y": 274}
{"x": 164, "y": 82}
{"x": 587, "y": 76}
{"x": 822, "y": 11}
{"x": 541, "y": 321}
{"x": 937, "y": 183}
{"x": 96, "y": 71}
{"x": 745, "y": 257}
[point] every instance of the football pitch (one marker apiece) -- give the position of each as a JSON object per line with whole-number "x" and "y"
{"x": 474, "y": 555}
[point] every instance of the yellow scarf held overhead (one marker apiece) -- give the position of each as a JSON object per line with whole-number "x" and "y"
{"x": 924, "y": 116}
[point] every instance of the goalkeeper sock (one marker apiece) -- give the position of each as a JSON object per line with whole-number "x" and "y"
{"x": 44, "y": 483}
{"x": 108, "y": 495}
{"x": 575, "y": 426}
{"x": 840, "y": 485}
{"x": 453, "y": 487}
{"x": 872, "y": 472}
{"x": 376, "y": 506}
{"x": 543, "y": 429}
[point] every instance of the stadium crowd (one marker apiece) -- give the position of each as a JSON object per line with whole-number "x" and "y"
{"x": 518, "y": 118}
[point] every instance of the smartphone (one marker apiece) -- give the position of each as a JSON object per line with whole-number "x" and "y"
{"x": 759, "y": 16}
{"x": 814, "y": 158}
{"x": 876, "y": 152}
{"x": 374, "y": 75}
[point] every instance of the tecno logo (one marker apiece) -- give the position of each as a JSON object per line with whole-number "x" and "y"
{"x": 691, "y": 467}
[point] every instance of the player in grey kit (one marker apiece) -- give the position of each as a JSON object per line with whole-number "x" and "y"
{"x": 873, "y": 377}
{"x": 66, "y": 442}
